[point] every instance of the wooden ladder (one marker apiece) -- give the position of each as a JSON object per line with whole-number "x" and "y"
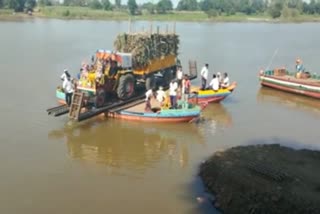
{"x": 76, "y": 105}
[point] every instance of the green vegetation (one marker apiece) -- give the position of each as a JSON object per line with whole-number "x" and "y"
{"x": 186, "y": 10}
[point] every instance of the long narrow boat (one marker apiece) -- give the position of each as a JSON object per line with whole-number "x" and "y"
{"x": 137, "y": 113}
{"x": 283, "y": 80}
{"x": 211, "y": 96}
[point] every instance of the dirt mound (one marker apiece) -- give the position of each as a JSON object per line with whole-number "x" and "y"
{"x": 264, "y": 179}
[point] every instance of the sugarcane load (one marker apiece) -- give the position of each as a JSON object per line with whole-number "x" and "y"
{"x": 145, "y": 47}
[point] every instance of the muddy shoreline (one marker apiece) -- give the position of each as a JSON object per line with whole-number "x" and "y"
{"x": 264, "y": 179}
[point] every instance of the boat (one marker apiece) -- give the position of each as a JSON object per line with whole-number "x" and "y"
{"x": 137, "y": 113}
{"x": 211, "y": 96}
{"x": 297, "y": 83}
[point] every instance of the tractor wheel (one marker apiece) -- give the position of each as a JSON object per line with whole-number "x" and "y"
{"x": 150, "y": 82}
{"x": 126, "y": 86}
{"x": 100, "y": 98}
{"x": 167, "y": 77}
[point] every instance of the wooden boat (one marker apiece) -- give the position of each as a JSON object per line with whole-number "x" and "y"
{"x": 137, "y": 113}
{"x": 210, "y": 96}
{"x": 281, "y": 79}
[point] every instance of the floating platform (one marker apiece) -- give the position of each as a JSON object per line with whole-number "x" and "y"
{"x": 135, "y": 111}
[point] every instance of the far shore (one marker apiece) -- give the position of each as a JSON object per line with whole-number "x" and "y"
{"x": 84, "y": 13}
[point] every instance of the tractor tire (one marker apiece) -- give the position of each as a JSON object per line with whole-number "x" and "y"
{"x": 100, "y": 98}
{"x": 126, "y": 87}
{"x": 150, "y": 82}
{"x": 167, "y": 77}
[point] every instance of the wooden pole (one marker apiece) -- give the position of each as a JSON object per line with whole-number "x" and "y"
{"x": 158, "y": 29}
{"x": 174, "y": 27}
{"x": 167, "y": 28}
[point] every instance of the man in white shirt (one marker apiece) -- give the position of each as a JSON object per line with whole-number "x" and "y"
{"x": 161, "y": 96}
{"x": 173, "y": 93}
{"x": 179, "y": 76}
{"x": 65, "y": 75}
{"x": 68, "y": 88}
{"x": 226, "y": 81}
{"x": 204, "y": 76}
{"x": 214, "y": 84}
{"x": 149, "y": 94}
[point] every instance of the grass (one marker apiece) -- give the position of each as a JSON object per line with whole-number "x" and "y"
{"x": 63, "y": 12}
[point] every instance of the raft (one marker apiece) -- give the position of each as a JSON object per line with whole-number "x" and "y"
{"x": 211, "y": 96}
{"x": 283, "y": 80}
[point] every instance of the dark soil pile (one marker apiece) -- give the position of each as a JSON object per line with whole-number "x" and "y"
{"x": 264, "y": 179}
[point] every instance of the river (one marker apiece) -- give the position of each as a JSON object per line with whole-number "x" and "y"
{"x": 49, "y": 165}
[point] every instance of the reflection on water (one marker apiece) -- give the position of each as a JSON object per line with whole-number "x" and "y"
{"x": 123, "y": 144}
{"x": 289, "y": 100}
{"x": 216, "y": 118}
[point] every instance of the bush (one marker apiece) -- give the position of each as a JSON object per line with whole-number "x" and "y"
{"x": 66, "y": 13}
{"x": 212, "y": 13}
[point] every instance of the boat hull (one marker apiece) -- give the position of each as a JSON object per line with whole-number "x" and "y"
{"x": 163, "y": 116}
{"x": 291, "y": 86}
{"x": 210, "y": 96}
{"x": 60, "y": 95}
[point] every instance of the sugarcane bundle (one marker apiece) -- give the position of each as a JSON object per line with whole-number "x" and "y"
{"x": 145, "y": 47}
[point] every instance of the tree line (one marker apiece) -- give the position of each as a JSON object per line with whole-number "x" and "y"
{"x": 213, "y": 8}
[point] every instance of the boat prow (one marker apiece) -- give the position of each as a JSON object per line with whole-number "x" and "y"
{"x": 211, "y": 96}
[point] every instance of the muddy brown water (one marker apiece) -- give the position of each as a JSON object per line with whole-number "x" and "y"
{"x": 106, "y": 166}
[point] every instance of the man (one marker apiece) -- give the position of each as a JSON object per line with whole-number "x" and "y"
{"x": 161, "y": 96}
{"x": 214, "y": 84}
{"x": 149, "y": 94}
{"x": 65, "y": 75}
{"x": 299, "y": 66}
{"x": 179, "y": 76}
{"x": 225, "y": 82}
{"x": 204, "y": 76}
{"x": 173, "y": 93}
{"x": 186, "y": 85}
{"x": 68, "y": 88}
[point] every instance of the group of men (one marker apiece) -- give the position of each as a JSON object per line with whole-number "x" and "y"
{"x": 178, "y": 87}
{"x": 217, "y": 81}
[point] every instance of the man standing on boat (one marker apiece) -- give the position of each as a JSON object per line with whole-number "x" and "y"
{"x": 68, "y": 87}
{"x": 299, "y": 66}
{"x": 65, "y": 75}
{"x": 161, "y": 96}
{"x": 179, "y": 76}
{"x": 173, "y": 94}
{"x": 204, "y": 76}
